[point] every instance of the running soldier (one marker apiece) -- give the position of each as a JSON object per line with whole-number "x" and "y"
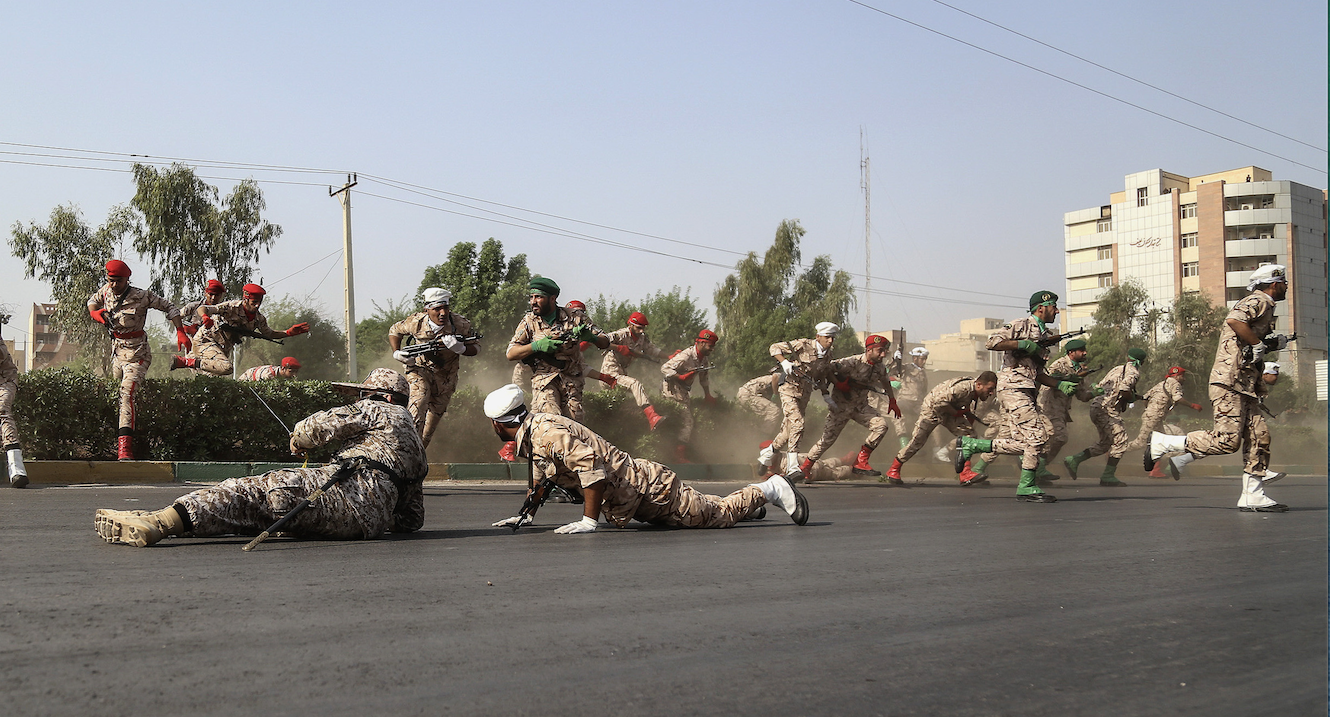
{"x": 1056, "y": 406}
{"x": 123, "y": 310}
{"x": 950, "y": 404}
{"x": 18, "y": 474}
{"x": 913, "y": 379}
{"x": 213, "y": 292}
{"x": 577, "y": 308}
{"x": 803, "y": 363}
{"x": 289, "y": 368}
{"x": 755, "y": 396}
{"x": 852, "y": 378}
{"x": 234, "y": 320}
{"x": 1160, "y": 399}
{"x": 1113, "y": 394}
{"x": 433, "y": 376}
{"x": 1236, "y": 389}
{"x": 624, "y": 488}
{"x": 382, "y": 459}
{"x": 627, "y": 344}
{"x": 1024, "y": 431}
{"x": 679, "y": 372}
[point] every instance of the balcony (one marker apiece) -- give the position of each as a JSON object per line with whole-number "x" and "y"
{"x": 1245, "y": 217}
{"x": 1090, "y": 268}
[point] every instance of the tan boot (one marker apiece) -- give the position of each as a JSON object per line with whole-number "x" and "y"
{"x": 139, "y": 531}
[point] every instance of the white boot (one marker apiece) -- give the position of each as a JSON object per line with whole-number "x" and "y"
{"x": 791, "y": 462}
{"x": 1254, "y": 499}
{"x": 18, "y": 475}
{"x": 782, "y": 494}
{"x": 1162, "y": 443}
{"x": 766, "y": 455}
{"x": 1271, "y": 476}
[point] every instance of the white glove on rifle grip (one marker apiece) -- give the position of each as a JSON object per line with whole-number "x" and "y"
{"x": 787, "y": 366}
{"x": 516, "y": 520}
{"x": 585, "y": 525}
{"x": 401, "y": 357}
{"x": 451, "y": 343}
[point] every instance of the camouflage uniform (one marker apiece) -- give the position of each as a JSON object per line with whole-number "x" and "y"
{"x": 8, "y": 391}
{"x": 212, "y": 344}
{"x": 635, "y": 489}
{"x": 1236, "y": 389}
{"x": 555, "y": 390}
{"x": 432, "y": 377}
{"x": 796, "y": 390}
{"x": 941, "y": 407}
{"x": 189, "y": 313}
{"x": 1104, "y": 411}
{"x": 1056, "y": 405}
{"x": 1160, "y": 399}
{"x": 680, "y": 389}
{"x": 853, "y": 406}
{"x": 363, "y": 505}
{"x": 130, "y": 353}
{"x": 909, "y": 397}
{"x": 1024, "y": 430}
{"x": 616, "y": 364}
{"x": 754, "y": 396}
{"x": 261, "y": 373}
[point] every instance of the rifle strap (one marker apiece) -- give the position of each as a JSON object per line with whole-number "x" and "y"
{"x": 354, "y": 463}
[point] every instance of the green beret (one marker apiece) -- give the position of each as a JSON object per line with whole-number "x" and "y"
{"x": 1076, "y": 345}
{"x": 1136, "y": 354}
{"x": 1039, "y": 298}
{"x": 543, "y": 286}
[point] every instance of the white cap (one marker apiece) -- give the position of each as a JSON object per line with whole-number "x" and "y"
{"x": 1272, "y": 367}
{"x": 434, "y": 296}
{"x": 506, "y": 404}
{"x": 1268, "y": 274}
{"x": 826, "y": 328}
{"x": 919, "y": 351}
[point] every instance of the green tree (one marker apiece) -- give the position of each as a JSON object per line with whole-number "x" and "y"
{"x": 1113, "y": 330}
{"x": 767, "y": 300}
{"x": 321, "y": 352}
{"x": 372, "y": 347}
{"x": 487, "y": 288}
{"x": 674, "y": 316}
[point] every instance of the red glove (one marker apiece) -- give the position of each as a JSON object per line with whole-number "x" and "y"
{"x": 612, "y": 381}
{"x": 686, "y": 376}
{"x": 98, "y": 315}
{"x": 182, "y": 341}
{"x": 1195, "y": 406}
{"x": 583, "y": 345}
{"x": 191, "y": 329}
{"x": 711, "y": 400}
{"x": 207, "y": 320}
{"x": 298, "y": 329}
{"x": 894, "y": 408}
{"x": 623, "y": 350}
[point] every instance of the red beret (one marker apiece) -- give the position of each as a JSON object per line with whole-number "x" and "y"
{"x": 707, "y": 335}
{"x": 215, "y": 287}
{"x": 876, "y": 340}
{"x": 253, "y": 289}
{"x": 117, "y": 268}
{"x": 290, "y": 362}
{"x": 637, "y": 318}
{"x": 1176, "y": 371}
{"x": 576, "y": 305}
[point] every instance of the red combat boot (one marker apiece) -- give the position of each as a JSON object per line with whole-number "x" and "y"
{"x": 861, "y": 466}
{"x": 1158, "y": 470}
{"x": 807, "y": 469}
{"x": 969, "y": 477}
{"x": 184, "y": 362}
{"x": 894, "y": 472}
{"x": 652, "y": 417}
{"x": 125, "y": 450}
{"x": 509, "y": 452}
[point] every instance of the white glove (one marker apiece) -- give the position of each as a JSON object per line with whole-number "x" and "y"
{"x": 787, "y": 366}
{"x": 897, "y": 356}
{"x": 516, "y": 521}
{"x": 585, "y": 525}
{"x": 765, "y": 455}
{"x": 1258, "y": 353}
{"x": 451, "y": 343}
{"x": 401, "y": 357}
{"x": 831, "y": 402}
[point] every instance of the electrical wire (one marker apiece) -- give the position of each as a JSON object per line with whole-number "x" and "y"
{"x": 297, "y": 271}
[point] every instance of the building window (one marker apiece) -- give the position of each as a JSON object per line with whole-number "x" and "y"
{"x": 1103, "y": 252}
{"x": 1187, "y": 211}
{"x": 1142, "y": 196}
{"x": 1104, "y": 225}
{"x": 1191, "y": 268}
{"x": 1188, "y": 239}
{"x": 1105, "y": 281}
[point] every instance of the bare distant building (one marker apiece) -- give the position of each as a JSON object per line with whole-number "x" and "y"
{"x": 46, "y": 346}
{"x": 1206, "y": 234}
{"x": 967, "y": 350}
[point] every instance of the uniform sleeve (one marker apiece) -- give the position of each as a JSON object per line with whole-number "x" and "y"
{"x": 1245, "y": 310}
{"x": 670, "y": 369}
{"x": 779, "y": 348}
{"x": 1174, "y": 389}
{"x": 262, "y": 329}
{"x": 400, "y": 328}
{"x": 96, "y": 301}
{"x": 337, "y": 424}
{"x": 1004, "y": 334}
{"x": 576, "y": 456}
{"x": 162, "y": 305}
{"x": 653, "y": 351}
{"x": 464, "y": 327}
{"x": 523, "y": 335}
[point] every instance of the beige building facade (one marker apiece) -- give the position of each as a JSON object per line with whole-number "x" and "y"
{"x": 966, "y": 350}
{"x": 46, "y": 346}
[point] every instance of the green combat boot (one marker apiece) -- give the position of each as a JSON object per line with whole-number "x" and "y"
{"x": 1109, "y": 476}
{"x": 1028, "y": 489}
{"x": 966, "y": 447}
{"x": 1074, "y": 462}
{"x": 1043, "y": 474}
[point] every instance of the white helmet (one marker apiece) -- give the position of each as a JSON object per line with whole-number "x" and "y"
{"x": 506, "y": 404}
{"x": 826, "y": 328}
{"x": 919, "y": 351}
{"x": 1268, "y": 274}
{"x": 434, "y": 296}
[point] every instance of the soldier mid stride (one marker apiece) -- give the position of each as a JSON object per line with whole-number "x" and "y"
{"x": 433, "y": 376}
{"x": 627, "y": 344}
{"x": 1160, "y": 399}
{"x": 677, "y": 383}
{"x": 913, "y": 379}
{"x": 1056, "y": 406}
{"x": 213, "y": 292}
{"x": 123, "y": 310}
{"x": 1024, "y": 430}
{"x": 1236, "y": 389}
{"x": 18, "y": 474}
{"x": 950, "y": 404}
{"x": 382, "y": 461}
{"x": 624, "y": 488}
{"x": 755, "y": 395}
{"x": 226, "y": 325}
{"x": 803, "y": 363}
{"x": 1114, "y": 393}
{"x": 853, "y": 378}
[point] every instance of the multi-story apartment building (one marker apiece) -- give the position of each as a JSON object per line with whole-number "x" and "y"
{"x": 1177, "y": 234}
{"x": 46, "y": 346}
{"x": 965, "y": 351}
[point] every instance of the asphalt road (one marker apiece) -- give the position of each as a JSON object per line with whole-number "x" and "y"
{"x": 1156, "y": 599}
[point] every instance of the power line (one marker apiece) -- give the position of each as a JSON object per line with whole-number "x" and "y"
{"x": 1087, "y": 88}
{"x": 297, "y": 271}
{"x": 128, "y": 171}
{"x": 1126, "y": 76}
{"x": 233, "y": 165}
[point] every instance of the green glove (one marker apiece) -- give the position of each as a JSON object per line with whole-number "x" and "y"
{"x": 1098, "y": 390}
{"x": 1067, "y": 387}
{"x": 1028, "y": 346}
{"x": 895, "y": 384}
{"x": 582, "y": 332}
{"x": 545, "y": 345}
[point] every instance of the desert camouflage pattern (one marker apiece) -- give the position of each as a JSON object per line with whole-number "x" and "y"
{"x": 1104, "y": 413}
{"x": 522, "y": 376}
{"x": 854, "y": 405}
{"x": 8, "y": 392}
{"x": 1238, "y": 424}
{"x": 554, "y": 390}
{"x": 432, "y": 377}
{"x": 830, "y": 469}
{"x": 1056, "y": 406}
{"x": 1023, "y": 430}
{"x": 575, "y": 457}
{"x": 796, "y": 390}
{"x": 1020, "y": 371}
{"x": 1160, "y": 399}
{"x": 1257, "y": 311}
{"x": 212, "y": 345}
{"x": 675, "y": 387}
{"x": 617, "y": 365}
{"x": 940, "y": 408}
{"x": 755, "y": 396}
{"x": 130, "y": 355}
{"x": 261, "y": 373}
{"x": 189, "y": 313}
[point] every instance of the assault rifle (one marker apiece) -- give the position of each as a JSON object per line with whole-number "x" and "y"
{"x": 1077, "y": 376}
{"x": 538, "y": 356}
{"x": 1250, "y": 355}
{"x": 1059, "y": 338}
{"x": 699, "y": 369}
{"x": 236, "y": 333}
{"x": 435, "y": 344}
{"x": 534, "y": 499}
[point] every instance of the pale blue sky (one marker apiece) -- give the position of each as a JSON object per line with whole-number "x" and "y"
{"x": 703, "y": 122}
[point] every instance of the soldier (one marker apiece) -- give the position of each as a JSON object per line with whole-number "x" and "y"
{"x": 234, "y": 320}
{"x": 433, "y": 376}
{"x": 679, "y": 372}
{"x": 803, "y": 363}
{"x": 913, "y": 379}
{"x": 1159, "y": 401}
{"x": 755, "y": 396}
{"x": 622, "y": 487}
{"x": 1236, "y": 390}
{"x": 853, "y": 378}
{"x": 289, "y": 368}
{"x": 213, "y": 292}
{"x": 950, "y": 404}
{"x": 123, "y": 310}
{"x": 627, "y": 344}
{"x": 825, "y": 469}
{"x": 382, "y": 458}
{"x": 1024, "y": 430}
{"x": 1113, "y": 394}
{"x": 578, "y": 309}
{"x": 18, "y": 474}
{"x": 1056, "y": 406}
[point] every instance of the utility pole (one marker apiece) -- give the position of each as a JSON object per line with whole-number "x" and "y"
{"x": 866, "y": 185}
{"x": 344, "y": 196}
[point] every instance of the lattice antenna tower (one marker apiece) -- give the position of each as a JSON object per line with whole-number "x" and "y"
{"x": 866, "y": 185}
